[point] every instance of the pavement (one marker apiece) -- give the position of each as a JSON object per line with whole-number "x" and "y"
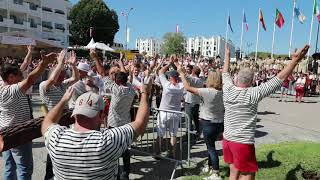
{"x": 277, "y": 122}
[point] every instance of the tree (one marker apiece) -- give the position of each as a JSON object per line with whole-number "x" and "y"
{"x": 96, "y": 14}
{"x": 173, "y": 44}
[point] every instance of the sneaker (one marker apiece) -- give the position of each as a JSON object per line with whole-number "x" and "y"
{"x": 206, "y": 170}
{"x": 213, "y": 176}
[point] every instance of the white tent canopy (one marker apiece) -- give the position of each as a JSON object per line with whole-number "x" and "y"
{"x": 101, "y": 46}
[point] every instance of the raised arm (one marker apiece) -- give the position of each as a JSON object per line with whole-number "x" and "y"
{"x": 296, "y": 58}
{"x": 226, "y": 65}
{"x": 75, "y": 72}
{"x": 27, "y": 60}
{"x": 99, "y": 65}
{"x": 36, "y": 73}
{"x": 142, "y": 118}
{"x": 56, "y": 72}
{"x": 186, "y": 84}
{"x": 55, "y": 114}
{"x": 122, "y": 68}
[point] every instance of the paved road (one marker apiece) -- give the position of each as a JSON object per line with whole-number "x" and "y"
{"x": 278, "y": 122}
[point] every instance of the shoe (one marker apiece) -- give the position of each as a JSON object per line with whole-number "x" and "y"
{"x": 213, "y": 176}
{"x": 206, "y": 170}
{"x": 280, "y": 100}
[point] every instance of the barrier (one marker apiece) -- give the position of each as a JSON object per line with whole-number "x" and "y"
{"x": 147, "y": 143}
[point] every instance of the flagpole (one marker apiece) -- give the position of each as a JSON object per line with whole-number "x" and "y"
{"x": 273, "y": 35}
{"x": 292, "y": 24}
{"x": 241, "y": 40}
{"x": 310, "y": 35}
{"x": 257, "y": 41}
{"x": 227, "y": 28}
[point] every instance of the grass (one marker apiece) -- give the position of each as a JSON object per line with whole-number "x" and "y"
{"x": 280, "y": 161}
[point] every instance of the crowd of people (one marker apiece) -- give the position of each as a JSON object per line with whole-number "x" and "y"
{"x": 217, "y": 99}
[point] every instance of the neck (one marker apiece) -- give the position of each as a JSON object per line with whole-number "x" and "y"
{"x": 79, "y": 128}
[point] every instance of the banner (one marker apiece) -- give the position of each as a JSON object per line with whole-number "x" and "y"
{"x": 17, "y": 40}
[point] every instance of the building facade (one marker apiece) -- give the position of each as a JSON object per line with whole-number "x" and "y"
{"x": 149, "y": 45}
{"x": 47, "y": 19}
{"x": 209, "y": 47}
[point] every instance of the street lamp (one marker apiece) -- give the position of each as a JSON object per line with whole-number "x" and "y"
{"x": 126, "y": 15}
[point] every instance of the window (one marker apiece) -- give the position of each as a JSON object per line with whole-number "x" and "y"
{"x": 18, "y": 2}
{"x": 59, "y": 12}
{"x": 47, "y": 24}
{"x": 60, "y": 26}
{"x": 47, "y": 9}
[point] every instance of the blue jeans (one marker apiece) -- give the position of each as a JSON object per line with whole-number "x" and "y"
{"x": 18, "y": 162}
{"x": 192, "y": 110}
{"x": 210, "y": 133}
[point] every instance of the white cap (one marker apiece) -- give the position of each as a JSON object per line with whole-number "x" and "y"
{"x": 84, "y": 67}
{"x": 88, "y": 104}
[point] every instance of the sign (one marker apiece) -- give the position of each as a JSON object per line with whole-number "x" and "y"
{"x": 17, "y": 40}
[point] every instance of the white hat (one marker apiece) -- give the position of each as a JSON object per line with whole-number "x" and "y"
{"x": 88, "y": 104}
{"x": 84, "y": 67}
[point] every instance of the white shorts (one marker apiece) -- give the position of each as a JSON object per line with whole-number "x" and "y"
{"x": 170, "y": 121}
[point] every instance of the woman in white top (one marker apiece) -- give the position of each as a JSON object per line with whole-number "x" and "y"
{"x": 211, "y": 115}
{"x": 300, "y": 84}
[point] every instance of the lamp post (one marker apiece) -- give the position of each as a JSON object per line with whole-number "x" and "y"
{"x": 126, "y": 15}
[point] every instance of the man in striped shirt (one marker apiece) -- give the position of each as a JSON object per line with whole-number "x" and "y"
{"x": 52, "y": 90}
{"x": 121, "y": 102}
{"x": 14, "y": 109}
{"x": 241, "y": 103}
{"x": 86, "y": 151}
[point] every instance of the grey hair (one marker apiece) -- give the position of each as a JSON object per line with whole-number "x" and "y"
{"x": 245, "y": 76}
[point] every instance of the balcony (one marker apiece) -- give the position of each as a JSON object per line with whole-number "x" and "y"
{"x": 4, "y": 22}
{"x": 3, "y": 4}
{"x": 34, "y": 10}
{"x": 19, "y": 6}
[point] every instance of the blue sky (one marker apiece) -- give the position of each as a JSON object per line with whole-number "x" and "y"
{"x": 153, "y": 18}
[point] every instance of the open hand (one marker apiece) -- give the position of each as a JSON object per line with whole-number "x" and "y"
{"x": 30, "y": 48}
{"x": 61, "y": 57}
{"x": 299, "y": 55}
{"x": 68, "y": 94}
{"x": 73, "y": 59}
{"x": 147, "y": 85}
{"x": 93, "y": 54}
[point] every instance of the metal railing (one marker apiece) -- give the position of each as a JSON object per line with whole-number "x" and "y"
{"x": 147, "y": 143}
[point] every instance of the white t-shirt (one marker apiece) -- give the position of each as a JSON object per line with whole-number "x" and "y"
{"x": 197, "y": 83}
{"x": 211, "y": 107}
{"x": 171, "y": 95}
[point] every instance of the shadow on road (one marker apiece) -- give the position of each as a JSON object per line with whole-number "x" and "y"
{"x": 259, "y": 134}
{"x": 266, "y": 113}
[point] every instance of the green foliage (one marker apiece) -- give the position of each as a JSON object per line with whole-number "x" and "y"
{"x": 173, "y": 44}
{"x": 265, "y": 55}
{"x": 280, "y": 161}
{"x": 96, "y": 14}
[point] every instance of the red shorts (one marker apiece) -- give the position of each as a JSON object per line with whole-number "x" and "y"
{"x": 242, "y": 156}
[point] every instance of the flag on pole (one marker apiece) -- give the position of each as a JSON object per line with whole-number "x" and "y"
{"x": 177, "y": 28}
{"x": 299, "y": 15}
{"x": 262, "y": 20}
{"x": 279, "y": 19}
{"x": 316, "y": 11}
{"x": 229, "y": 23}
{"x": 245, "y": 22}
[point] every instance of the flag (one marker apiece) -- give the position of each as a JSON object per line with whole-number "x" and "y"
{"x": 262, "y": 20}
{"x": 229, "y": 23}
{"x": 316, "y": 9}
{"x": 245, "y": 21}
{"x": 279, "y": 19}
{"x": 299, "y": 15}
{"x": 177, "y": 28}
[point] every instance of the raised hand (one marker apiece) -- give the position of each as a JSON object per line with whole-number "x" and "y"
{"x": 61, "y": 57}
{"x": 49, "y": 58}
{"x": 299, "y": 55}
{"x": 68, "y": 94}
{"x": 30, "y": 48}
{"x": 73, "y": 59}
{"x": 180, "y": 69}
{"x": 93, "y": 54}
{"x": 227, "y": 52}
{"x": 147, "y": 85}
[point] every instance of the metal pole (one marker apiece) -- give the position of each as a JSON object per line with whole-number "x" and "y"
{"x": 241, "y": 40}
{"x": 310, "y": 35}
{"x": 126, "y": 48}
{"x": 273, "y": 35}
{"x": 257, "y": 41}
{"x": 317, "y": 39}
{"x": 292, "y": 23}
